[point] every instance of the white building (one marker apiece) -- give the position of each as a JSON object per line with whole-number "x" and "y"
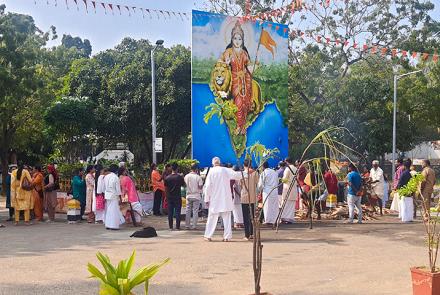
{"x": 120, "y": 155}
{"x": 427, "y": 150}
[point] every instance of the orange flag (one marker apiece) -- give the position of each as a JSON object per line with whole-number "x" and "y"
{"x": 267, "y": 41}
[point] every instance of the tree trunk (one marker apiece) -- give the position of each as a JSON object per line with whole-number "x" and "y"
{"x": 186, "y": 151}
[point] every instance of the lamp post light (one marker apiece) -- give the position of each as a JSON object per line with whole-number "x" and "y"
{"x": 396, "y": 69}
{"x": 153, "y": 100}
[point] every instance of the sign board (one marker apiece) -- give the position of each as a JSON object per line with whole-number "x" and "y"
{"x": 158, "y": 145}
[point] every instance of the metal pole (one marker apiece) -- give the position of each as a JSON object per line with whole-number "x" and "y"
{"x": 153, "y": 105}
{"x": 393, "y": 164}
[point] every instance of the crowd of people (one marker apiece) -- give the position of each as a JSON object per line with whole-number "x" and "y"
{"x": 106, "y": 195}
{"x": 109, "y": 196}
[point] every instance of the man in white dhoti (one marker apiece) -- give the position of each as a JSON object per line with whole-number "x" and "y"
{"x": 218, "y": 198}
{"x": 112, "y": 192}
{"x": 268, "y": 183}
{"x": 377, "y": 183}
{"x": 289, "y": 198}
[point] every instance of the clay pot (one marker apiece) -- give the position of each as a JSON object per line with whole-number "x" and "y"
{"x": 425, "y": 282}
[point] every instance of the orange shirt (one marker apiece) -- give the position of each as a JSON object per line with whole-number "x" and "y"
{"x": 157, "y": 181}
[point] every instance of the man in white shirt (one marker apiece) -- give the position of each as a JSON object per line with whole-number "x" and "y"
{"x": 268, "y": 184}
{"x": 290, "y": 192}
{"x": 112, "y": 192}
{"x": 377, "y": 183}
{"x": 218, "y": 198}
{"x": 194, "y": 185}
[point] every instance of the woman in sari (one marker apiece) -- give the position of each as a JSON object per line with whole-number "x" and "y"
{"x": 51, "y": 186}
{"x": 90, "y": 184}
{"x": 98, "y": 196}
{"x": 8, "y": 194}
{"x": 37, "y": 192}
{"x": 237, "y": 57}
{"x": 21, "y": 193}
{"x": 78, "y": 186}
{"x": 129, "y": 193}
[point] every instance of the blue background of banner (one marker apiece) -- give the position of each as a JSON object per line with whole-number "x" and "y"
{"x": 212, "y": 139}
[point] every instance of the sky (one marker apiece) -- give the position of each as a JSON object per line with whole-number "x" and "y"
{"x": 106, "y": 31}
{"x": 212, "y": 33}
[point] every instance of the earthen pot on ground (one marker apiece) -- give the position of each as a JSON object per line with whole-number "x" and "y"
{"x": 425, "y": 282}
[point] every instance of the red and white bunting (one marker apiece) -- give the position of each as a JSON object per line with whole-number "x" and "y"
{"x": 122, "y": 9}
{"x": 369, "y": 48}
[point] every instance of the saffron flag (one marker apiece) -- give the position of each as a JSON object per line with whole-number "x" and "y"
{"x": 267, "y": 41}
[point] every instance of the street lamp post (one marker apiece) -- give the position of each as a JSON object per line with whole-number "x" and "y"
{"x": 153, "y": 100}
{"x": 396, "y": 79}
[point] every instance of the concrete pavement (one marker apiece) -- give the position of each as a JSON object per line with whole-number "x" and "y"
{"x": 332, "y": 259}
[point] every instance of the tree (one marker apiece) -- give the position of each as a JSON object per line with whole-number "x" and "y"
{"x": 118, "y": 82}
{"x": 75, "y": 42}
{"x": 328, "y": 79}
{"x": 21, "y": 102}
{"x": 69, "y": 118}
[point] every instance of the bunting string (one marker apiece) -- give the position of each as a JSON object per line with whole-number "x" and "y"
{"x": 88, "y": 5}
{"x": 366, "y": 48}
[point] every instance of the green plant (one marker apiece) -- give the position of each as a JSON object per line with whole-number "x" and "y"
{"x": 66, "y": 170}
{"x": 116, "y": 280}
{"x": 411, "y": 187}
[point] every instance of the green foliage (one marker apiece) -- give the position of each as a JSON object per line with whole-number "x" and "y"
{"x": 118, "y": 83}
{"x": 411, "y": 187}
{"x": 70, "y": 119}
{"x": 223, "y": 110}
{"x": 83, "y": 46}
{"x": 66, "y": 170}
{"x": 184, "y": 165}
{"x": 260, "y": 153}
{"x": 116, "y": 280}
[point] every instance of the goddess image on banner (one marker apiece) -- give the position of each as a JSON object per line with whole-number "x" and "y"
{"x": 239, "y": 86}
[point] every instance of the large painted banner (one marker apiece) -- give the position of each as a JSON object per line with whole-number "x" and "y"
{"x": 239, "y": 86}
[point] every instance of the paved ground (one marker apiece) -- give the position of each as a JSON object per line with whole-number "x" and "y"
{"x": 333, "y": 258}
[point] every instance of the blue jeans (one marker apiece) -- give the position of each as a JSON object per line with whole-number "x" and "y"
{"x": 174, "y": 208}
{"x": 352, "y": 202}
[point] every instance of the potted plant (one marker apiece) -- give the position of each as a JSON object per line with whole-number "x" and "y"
{"x": 425, "y": 280}
{"x": 116, "y": 280}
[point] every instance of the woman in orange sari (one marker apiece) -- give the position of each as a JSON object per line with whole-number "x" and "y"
{"x": 237, "y": 57}
{"x": 37, "y": 192}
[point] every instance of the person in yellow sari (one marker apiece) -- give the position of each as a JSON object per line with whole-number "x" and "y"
{"x": 21, "y": 193}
